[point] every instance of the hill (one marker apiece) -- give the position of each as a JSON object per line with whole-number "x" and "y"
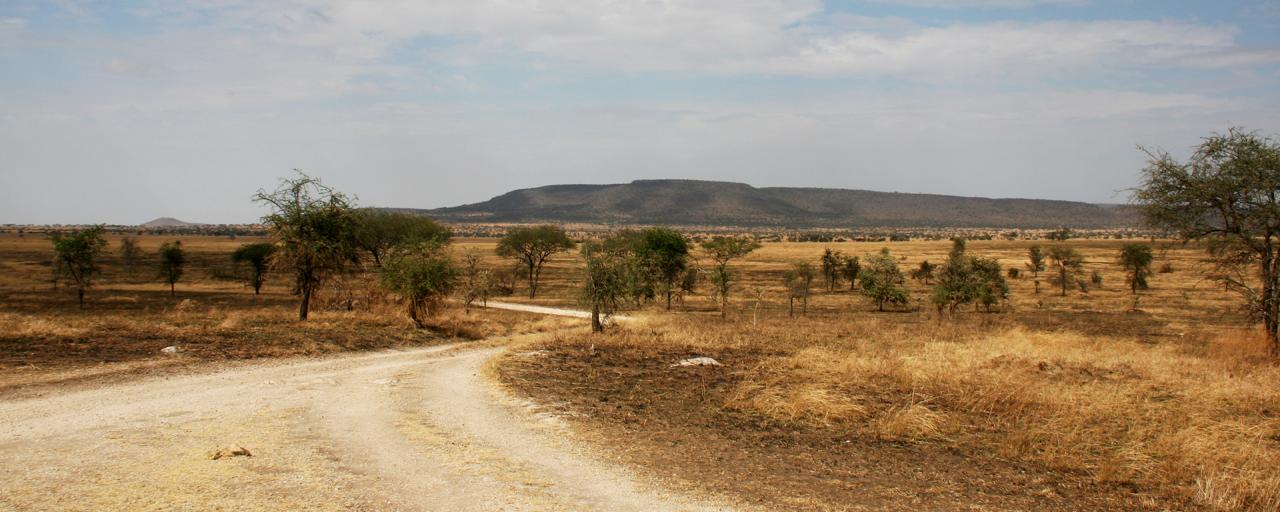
{"x": 691, "y": 202}
{"x": 167, "y": 222}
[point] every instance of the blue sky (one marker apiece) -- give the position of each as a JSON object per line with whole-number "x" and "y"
{"x": 125, "y": 111}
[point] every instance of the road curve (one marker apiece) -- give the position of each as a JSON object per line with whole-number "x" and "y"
{"x": 409, "y": 430}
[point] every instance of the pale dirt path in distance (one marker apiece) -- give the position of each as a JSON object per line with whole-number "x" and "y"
{"x": 412, "y": 430}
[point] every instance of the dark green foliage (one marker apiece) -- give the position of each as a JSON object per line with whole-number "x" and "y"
{"x": 315, "y": 229}
{"x": 173, "y": 260}
{"x": 966, "y": 279}
{"x": 1136, "y": 260}
{"x": 882, "y": 280}
{"x": 851, "y": 269}
{"x": 422, "y": 275}
{"x": 798, "y": 281}
{"x": 531, "y": 246}
{"x": 722, "y": 250}
{"x": 664, "y": 253}
{"x": 1225, "y": 194}
{"x": 76, "y": 255}
{"x": 258, "y": 257}
{"x": 378, "y": 231}
{"x": 924, "y": 273}
{"x": 831, "y": 262}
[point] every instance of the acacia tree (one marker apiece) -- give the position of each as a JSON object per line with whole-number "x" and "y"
{"x": 831, "y": 261}
{"x": 76, "y": 256}
{"x": 531, "y": 246}
{"x": 1035, "y": 264}
{"x": 258, "y": 257}
{"x": 799, "y": 281}
{"x": 924, "y": 272}
{"x": 173, "y": 260}
{"x": 1136, "y": 261}
{"x": 882, "y": 280}
{"x": 850, "y": 268}
{"x": 378, "y": 231}
{"x": 314, "y": 228}
{"x": 476, "y": 282}
{"x": 1227, "y": 193}
{"x": 422, "y": 275}
{"x": 664, "y": 253}
{"x": 130, "y": 253}
{"x": 722, "y": 250}
{"x": 1067, "y": 265}
{"x": 968, "y": 279}
{"x": 608, "y": 278}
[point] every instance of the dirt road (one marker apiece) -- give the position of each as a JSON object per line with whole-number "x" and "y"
{"x": 412, "y": 430}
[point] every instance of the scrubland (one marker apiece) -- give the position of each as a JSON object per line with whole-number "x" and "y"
{"x": 1166, "y": 402}
{"x": 1090, "y": 401}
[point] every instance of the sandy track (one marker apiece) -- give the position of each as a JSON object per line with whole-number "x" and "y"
{"x": 412, "y": 430}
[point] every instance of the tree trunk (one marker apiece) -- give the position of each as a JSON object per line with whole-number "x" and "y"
{"x": 305, "y": 306}
{"x": 1271, "y": 298}
{"x": 668, "y": 298}
{"x": 533, "y": 282}
{"x": 172, "y": 291}
{"x": 80, "y": 295}
{"x": 596, "y": 325}
{"x": 724, "y": 302}
{"x": 791, "y": 307}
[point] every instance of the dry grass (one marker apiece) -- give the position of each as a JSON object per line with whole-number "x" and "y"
{"x": 1176, "y": 400}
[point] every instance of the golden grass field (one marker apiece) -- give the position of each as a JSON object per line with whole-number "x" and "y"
{"x": 1171, "y": 404}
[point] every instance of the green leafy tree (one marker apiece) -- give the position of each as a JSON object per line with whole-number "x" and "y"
{"x": 1225, "y": 194}
{"x": 314, "y": 227}
{"x": 798, "y": 281}
{"x": 609, "y": 278}
{"x": 722, "y": 250}
{"x": 831, "y": 262}
{"x": 258, "y": 257}
{"x": 1136, "y": 260}
{"x": 422, "y": 275}
{"x": 130, "y": 253}
{"x": 924, "y": 273}
{"x": 882, "y": 280}
{"x": 378, "y": 231}
{"x": 968, "y": 279}
{"x": 664, "y": 253}
{"x": 173, "y": 261}
{"x": 850, "y": 269}
{"x": 531, "y": 246}
{"x": 1068, "y": 265}
{"x": 76, "y": 255}
{"x": 993, "y": 289}
{"x": 1035, "y": 264}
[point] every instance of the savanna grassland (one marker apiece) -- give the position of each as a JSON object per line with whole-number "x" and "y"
{"x": 213, "y": 318}
{"x": 1096, "y": 401}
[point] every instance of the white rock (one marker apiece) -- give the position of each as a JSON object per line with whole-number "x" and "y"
{"x": 698, "y": 361}
{"x": 171, "y": 349}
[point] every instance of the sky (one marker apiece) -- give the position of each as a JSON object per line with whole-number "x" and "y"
{"x": 121, "y": 112}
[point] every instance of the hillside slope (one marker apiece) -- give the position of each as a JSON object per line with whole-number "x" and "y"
{"x": 691, "y": 202}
